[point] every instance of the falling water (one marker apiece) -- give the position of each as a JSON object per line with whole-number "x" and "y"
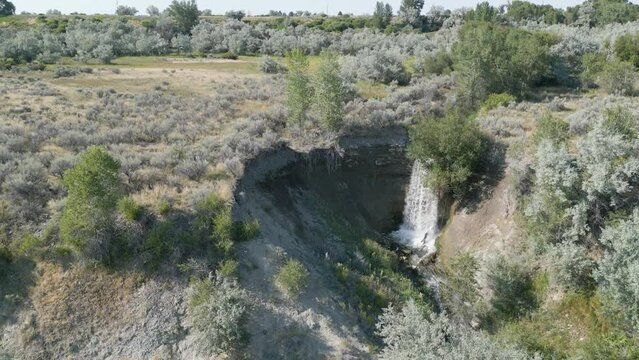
{"x": 419, "y": 228}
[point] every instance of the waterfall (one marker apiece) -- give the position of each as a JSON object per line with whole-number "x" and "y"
{"x": 419, "y": 228}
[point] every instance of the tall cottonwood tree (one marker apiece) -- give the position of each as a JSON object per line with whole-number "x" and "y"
{"x": 185, "y": 13}
{"x": 382, "y": 15}
{"x": 299, "y": 91}
{"x": 329, "y": 91}
{"x": 410, "y": 12}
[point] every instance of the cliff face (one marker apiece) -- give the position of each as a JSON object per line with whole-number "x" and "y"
{"x": 299, "y": 199}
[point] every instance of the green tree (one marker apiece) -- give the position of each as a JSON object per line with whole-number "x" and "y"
{"x": 519, "y": 10}
{"x": 490, "y": 58}
{"x": 410, "y": 12}
{"x": 483, "y": 12}
{"x": 627, "y": 48}
{"x": 94, "y": 187}
{"x": 453, "y": 146}
{"x": 618, "y": 77}
{"x": 382, "y": 15}
{"x": 329, "y": 91}
{"x": 299, "y": 91}
{"x": 7, "y": 8}
{"x": 185, "y": 13}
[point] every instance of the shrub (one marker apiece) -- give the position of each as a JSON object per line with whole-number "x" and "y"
{"x": 218, "y": 311}
{"x": 411, "y": 331}
{"x": 268, "y": 65}
{"x": 439, "y": 63}
{"x": 247, "y": 230}
{"x": 461, "y": 292}
{"x": 453, "y": 146}
{"x": 619, "y": 268}
{"x": 570, "y": 265}
{"x": 28, "y": 189}
{"x": 292, "y": 278}
{"x": 94, "y": 188}
{"x": 551, "y": 128}
{"x": 618, "y": 78}
{"x": 512, "y": 289}
{"x": 129, "y": 209}
{"x": 64, "y": 71}
{"x": 495, "y": 100}
{"x": 227, "y": 268}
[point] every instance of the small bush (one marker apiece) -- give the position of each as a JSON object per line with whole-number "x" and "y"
{"x": 439, "y": 63}
{"x": 292, "y": 278}
{"x": 63, "y": 71}
{"x": 228, "y": 268}
{"x": 218, "y": 311}
{"x": 618, "y": 78}
{"x": 247, "y": 230}
{"x": 495, "y": 100}
{"x": 551, "y": 128}
{"x": 268, "y": 65}
{"x": 129, "y": 209}
{"x": 512, "y": 287}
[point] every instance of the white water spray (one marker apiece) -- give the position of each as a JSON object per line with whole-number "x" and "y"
{"x": 419, "y": 229}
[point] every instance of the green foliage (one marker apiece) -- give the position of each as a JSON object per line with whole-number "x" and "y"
{"x": 512, "y": 289}
{"x": 299, "y": 91}
{"x": 551, "y": 128}
{"x": 592, "y": 65}
{"x": 218, "y": 311}
{"x": 28, "y": 245}
{"x": 572, "y": 328}
{"x": 382, "y": 15}
{"x": 329, "y": 91}
{"x": 570, "y": 266}
{"x": 185, "y": 14}
{"x": 410, "y": 12}
{"x": 520, "y": 10}
{"x": 227, "y": 268}
{"x": 495, "y": 100}
{"x": 6, "y": 258}
{"x": 247, "y": 230}
{"x": 129, "y": 209}
{"x": 378, "y": 256}
{"x": 453, "y": 146}
{"x": 621, "y": 121}
{"x": 94, "y": 188}
{"x": 618, "y": 77}
{"x": 627, "y": 48}
{"x": 483, "y": 12}
{"x": 493, "y": 59}
{"x": 7, "y": 8}
{"x": 159, "y": 242}
{"x": 438, "y": 64}
{"x": 292, "y": 278}
{"x": 461, "y": 292}
{"x": 611, "y": 11}
{"x": 619, "y": 269}
{"x": 411, "y": 333}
